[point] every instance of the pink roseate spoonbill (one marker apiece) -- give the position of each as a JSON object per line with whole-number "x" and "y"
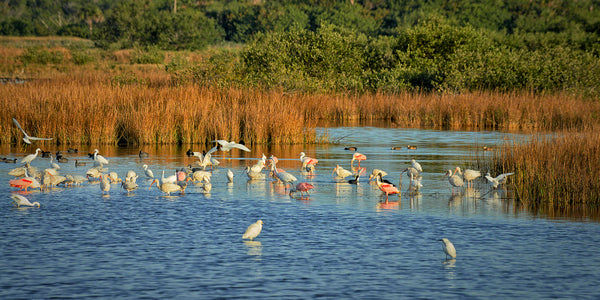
{"x": 99, "y": 158}
{"x": 253, "y": 230}
{"x": 181, "y": 175}
{"x": 496, "y": 181}
{"x": 307, "y": 160}
{"x": 469, "y": 175}
{"x": 167, "y": 187}
{"x": 19, "y": 201}
{"x": 358, "y": 157}
{"x": 27, "y": 138}
{"x": 21, "y": 183}
{"x": 387, "y": 188}
{"x": 29, "y": 158}
{"x": 302, "y": 187}
{"x": 454, "y": 180}
{"x": 341, "y": 172}
{"x": 226, "y": 146}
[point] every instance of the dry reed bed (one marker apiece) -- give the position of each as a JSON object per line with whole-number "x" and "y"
{"x": 557, "y": 173}
{"x": 93, "y": 108}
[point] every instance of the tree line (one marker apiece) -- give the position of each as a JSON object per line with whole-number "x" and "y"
{"x": 376, "y": 45}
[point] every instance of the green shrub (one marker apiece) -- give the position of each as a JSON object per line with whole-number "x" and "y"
{"x": 41, "y": 56}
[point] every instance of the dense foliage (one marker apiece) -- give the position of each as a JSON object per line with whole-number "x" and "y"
{"x": 343, "y": 45}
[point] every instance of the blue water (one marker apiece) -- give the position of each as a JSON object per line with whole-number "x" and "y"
{"x": 341, "y": 242}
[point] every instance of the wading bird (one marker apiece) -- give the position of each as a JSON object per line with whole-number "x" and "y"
{"x": 168, "y": 188}
{"x": 358, "y": 157}
{"x": 148, "y": 172}
{"x": 454, "y": 180}
{"x": 253, "y": 230}
{"x": 99, "y": 158}
{"x": 496, "y": 181}
{"x": 448, "y": 248}
{"x": 469, "y": 175}
{"x": 27, "y": 138}
{"x": 302, "y": 187}
{"x": 29, "y": 158}
{"x": 341, "y": 172}
{"x": 19, "y": 201}
{"x": 387, "y": 188}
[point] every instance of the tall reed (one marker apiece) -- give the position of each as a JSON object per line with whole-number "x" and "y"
{"x": 553, "y": 173}
{"x": 143, "y": 107}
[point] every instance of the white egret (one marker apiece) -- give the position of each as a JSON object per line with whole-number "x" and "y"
{"x": 229, "y": 175}
{"x": 27, "y": 138}
{"x": 19, "y": 201}
{"x": 29, "y": 158}
{"x": 99, "y": 158}
{"x": 253, "y": 230}
{"x": 148, "y": 172}
{"x": 448, "y": 248}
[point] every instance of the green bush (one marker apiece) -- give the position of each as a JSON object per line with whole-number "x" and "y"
{"x": 41, "y": 56}
{"x": 148, "y": 55}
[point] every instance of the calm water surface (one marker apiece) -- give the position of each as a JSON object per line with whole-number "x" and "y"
{"x": 342, "y": 242}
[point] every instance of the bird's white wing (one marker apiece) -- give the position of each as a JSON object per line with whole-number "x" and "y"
{"x": 212, "y": 150}
{"x": 221, "y": 142}
{"x": 39, "y": 139}
{"x": 241, "y": 147}
{"x": 19, "y": 126}
{"x": 490, "y": 178}
{"x": 503, "y": 176}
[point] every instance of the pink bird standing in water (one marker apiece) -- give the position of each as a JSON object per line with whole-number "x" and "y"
{"x": 387, "y": 188}
{"x": 302, "y": 187}
{"x": 359, "y": 157}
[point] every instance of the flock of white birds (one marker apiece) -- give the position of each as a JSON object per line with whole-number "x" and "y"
{"x": 28, "y": 176}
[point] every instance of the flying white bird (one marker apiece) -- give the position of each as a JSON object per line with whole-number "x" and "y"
{"x": 226, "y": 146}
{"x": 27, "y": 139}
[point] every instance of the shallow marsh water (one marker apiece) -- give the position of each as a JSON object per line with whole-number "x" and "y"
{"x": 341, "y": 242}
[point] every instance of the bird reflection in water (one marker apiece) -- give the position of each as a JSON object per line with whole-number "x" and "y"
{"x": 254, "y": 248}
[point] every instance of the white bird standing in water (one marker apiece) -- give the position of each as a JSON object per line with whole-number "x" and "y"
{"x": 416, "y": 165}
{"x": 27, "y": 138}
{"x": 229, "y": 175}
{"x": 454, "y": 180}
{"x": 448, "y": 248}
{"x": 104, "y": 183}
{"x": 29, "y": 158}
{"x": 148, "y": 172}
{"x": 253, "y": 230}
{"x": 99, "y": 158}
{"x": 19, "y": 201}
